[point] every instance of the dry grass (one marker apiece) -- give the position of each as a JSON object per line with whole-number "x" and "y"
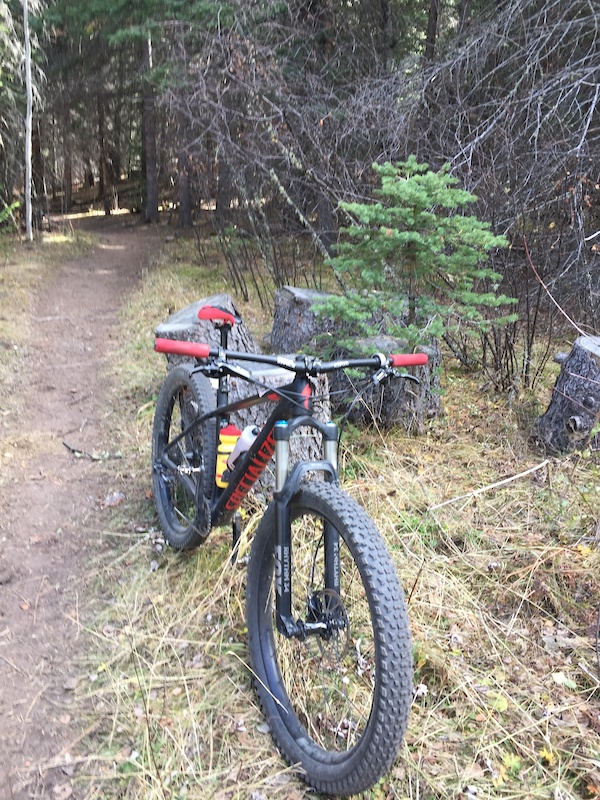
{"x": 502, "y": 588}
{"x": 503, "y": 591}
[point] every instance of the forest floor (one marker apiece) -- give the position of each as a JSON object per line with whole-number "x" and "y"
{"x": 53, "y": 493}
{"x": 123, "y": 664}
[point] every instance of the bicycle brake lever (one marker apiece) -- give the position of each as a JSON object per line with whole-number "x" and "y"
{"x": 405, "y": 376}
{"x": 390, "y": 372}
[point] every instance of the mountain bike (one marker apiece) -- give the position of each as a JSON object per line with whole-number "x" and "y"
{"x": 328, "y": 631}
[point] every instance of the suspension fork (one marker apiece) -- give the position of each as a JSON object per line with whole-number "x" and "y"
{"x": 287, "y": 485}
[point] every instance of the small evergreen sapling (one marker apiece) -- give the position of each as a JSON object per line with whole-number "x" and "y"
{"x": 413, "y": 262}
{"x": 6, "y": 214}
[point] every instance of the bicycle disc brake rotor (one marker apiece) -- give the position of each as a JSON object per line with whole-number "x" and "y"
{"x": 326, "y": 606}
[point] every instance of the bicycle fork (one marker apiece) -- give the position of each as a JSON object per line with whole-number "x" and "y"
{"x": 319, "y": 617}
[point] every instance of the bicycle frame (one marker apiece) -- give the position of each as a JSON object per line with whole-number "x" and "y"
{"x": 319, "y": 571}
{"x": 293, "y": 410}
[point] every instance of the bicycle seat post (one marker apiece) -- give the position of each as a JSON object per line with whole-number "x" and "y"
{"x": 223, "y": 389}
{"x": 224, "y": 331}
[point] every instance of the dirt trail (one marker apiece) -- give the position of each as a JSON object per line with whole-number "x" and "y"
{"x": 46, "y": 502}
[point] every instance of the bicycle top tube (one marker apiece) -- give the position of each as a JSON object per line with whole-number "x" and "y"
{"x": 300, "y": 364}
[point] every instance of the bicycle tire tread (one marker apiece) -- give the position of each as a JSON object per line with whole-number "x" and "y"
{"x": 373, "y": 755}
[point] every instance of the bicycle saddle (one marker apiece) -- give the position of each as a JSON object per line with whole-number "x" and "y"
{"x": 219, "y": 316}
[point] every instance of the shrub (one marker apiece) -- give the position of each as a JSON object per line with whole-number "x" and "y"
{"x": 7, "y": 218}
{"x": 413, "y": 260}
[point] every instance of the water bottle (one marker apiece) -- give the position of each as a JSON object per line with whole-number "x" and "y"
{"x": 228, "y": 437}
{"x": 243, "y": 443}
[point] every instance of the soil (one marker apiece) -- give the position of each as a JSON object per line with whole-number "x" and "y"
{"x": 49, "y": 503}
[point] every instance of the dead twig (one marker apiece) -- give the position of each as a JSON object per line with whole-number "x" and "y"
{"x": 490, "y": 486}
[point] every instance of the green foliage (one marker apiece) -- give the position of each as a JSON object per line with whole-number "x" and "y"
{"x": 414, "y": 259}
{"x": 7, "y": 219}
{"x": 121, "y": 21}
{"x": 11, "y": 54}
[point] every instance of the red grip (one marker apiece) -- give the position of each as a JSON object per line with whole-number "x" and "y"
{"x": 216, "y": 314}
{"x": 408, "y": 359}
{"x": 178, "y": 348}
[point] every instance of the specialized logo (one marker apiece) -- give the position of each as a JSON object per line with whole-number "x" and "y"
{"x": 253, "y": 472}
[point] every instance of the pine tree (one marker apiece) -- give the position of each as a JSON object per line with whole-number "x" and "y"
{"x": 414, "y": 260}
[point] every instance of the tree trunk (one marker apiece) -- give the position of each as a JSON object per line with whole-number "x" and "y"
{"x": 28, "y": 123}
{"x": 432, "y": 27}
{"x": 183, "y": 169}
{"x": 295, "y": 323}
{"x": 67, "y": 177}
{"x": 107, "y": 192}
{"x": 115, "y": 149}
{"x": 101, "y": 144}
{"x": 326, "y": 222}
{"x": 149, "y": 127}
{"x": 387, "y": 30}
{"x": 224, "y": 192}
{"x": 67, "y": 168}
{"x": 89, "y": 179}
{"x": 574, "y": 409}
{"x": 40, "y": 199}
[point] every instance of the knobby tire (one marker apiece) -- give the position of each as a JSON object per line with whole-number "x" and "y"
{"x": 183, "y": 481}
{"x": 337, "y": 707}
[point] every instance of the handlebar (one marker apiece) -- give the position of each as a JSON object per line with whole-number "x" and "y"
{"x": 408, "y": 360}
{"x": 303, "y": 364}
{"x": 178, "y": 348}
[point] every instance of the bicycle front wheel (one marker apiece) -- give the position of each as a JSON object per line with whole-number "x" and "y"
{"x": 337, "y": 703}
{"x": 183, "y": 467}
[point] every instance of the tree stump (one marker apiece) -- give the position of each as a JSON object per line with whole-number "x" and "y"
{"x": 305, "y": 444}
{"x": 568, "y": 422}
{"x": 396, "y": 403}
{"x": 295, "y": 323}
{"x": 184, "y": 325}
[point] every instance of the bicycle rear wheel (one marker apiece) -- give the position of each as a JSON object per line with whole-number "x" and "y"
{"x": 337, "y": 704}
{"x": 183, "y": 471}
